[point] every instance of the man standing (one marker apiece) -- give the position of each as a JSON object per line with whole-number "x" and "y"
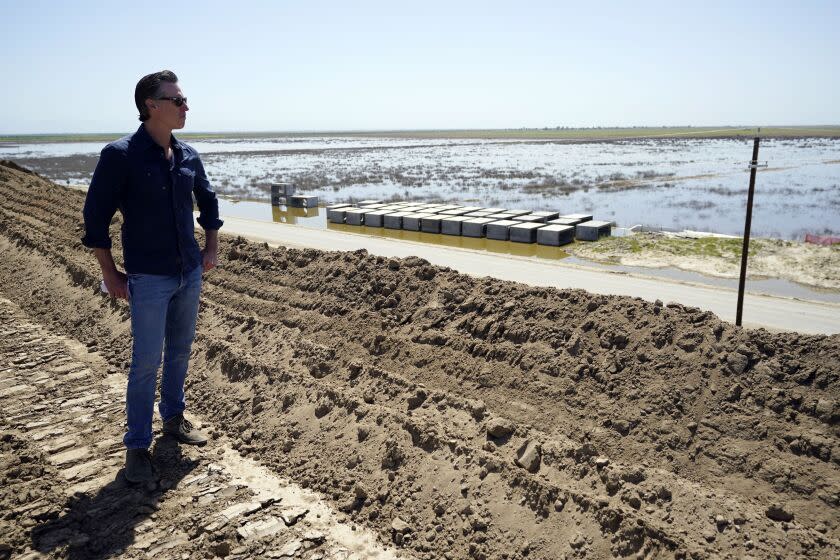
{"x": 151, "y": 178}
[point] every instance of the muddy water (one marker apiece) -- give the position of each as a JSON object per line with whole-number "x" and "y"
{"x": 691, "y": 184}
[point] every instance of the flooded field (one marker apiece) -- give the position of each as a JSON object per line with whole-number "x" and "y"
{"x": 661, "y": 183}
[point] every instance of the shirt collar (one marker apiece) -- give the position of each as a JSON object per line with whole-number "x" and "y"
{"x": 148, "y": 142}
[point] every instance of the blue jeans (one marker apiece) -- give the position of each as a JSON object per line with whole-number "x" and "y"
{"x": 164, "y": 310}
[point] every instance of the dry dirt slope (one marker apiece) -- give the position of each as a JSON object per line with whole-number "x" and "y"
{"x": 469, "y": 418}
{"x": 63, "y": 494}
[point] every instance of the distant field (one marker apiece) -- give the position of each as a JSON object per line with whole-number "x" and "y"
{"x": 570, "y": 134}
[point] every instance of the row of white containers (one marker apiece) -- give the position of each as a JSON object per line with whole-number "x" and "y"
{"x": 521, "y": 226}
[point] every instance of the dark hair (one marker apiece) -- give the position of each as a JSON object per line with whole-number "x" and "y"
{"x": 147, "y": 88}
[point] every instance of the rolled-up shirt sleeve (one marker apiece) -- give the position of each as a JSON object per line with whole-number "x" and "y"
{"x": 103, "y": 197}
{"x": 208, "y": 204}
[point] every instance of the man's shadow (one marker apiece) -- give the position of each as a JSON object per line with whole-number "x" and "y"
{"x": 104, "y": 525}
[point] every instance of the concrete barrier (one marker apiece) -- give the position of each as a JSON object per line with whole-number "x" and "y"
{"x": 504, "y": 216}
{"x": 475, "y": 227}
{"x": 500, "y": 229}
{"x": 374, "y": 218}
{"x": 525, "y": 232}
{"x": 336, "y": 215}
{"x": 581, "y": 217}
{"x": 355, "y": 216}
{"x": 431, "y": 224}
{"x": 480, "y": 214}
{"x": 280, "y": 192}
{"x": 546, "y": 215}
{"x": 565, "y": 221}
{"x": 529, "y": 218}
{"x": 302, "y": 201}
{"x": 393, "y": 221}
{"x": 451, "y": 225}
{"x": 555, "y": 235}
{"x": 412, "y": 222}
{"x": 592, "y": 230}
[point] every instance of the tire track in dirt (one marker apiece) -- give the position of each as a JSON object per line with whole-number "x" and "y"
{"x": 408, "y": 394}
{"x": 65, "y": 496}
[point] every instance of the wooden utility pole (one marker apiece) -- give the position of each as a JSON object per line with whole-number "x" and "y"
{"x": 746, "y": 248}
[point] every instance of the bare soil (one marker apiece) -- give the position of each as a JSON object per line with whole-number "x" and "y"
{"x": 463, "y": 418}
{"x": 64, "y": 496}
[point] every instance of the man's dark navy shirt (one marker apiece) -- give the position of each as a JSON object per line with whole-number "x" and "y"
{"x": 155, "y": 197}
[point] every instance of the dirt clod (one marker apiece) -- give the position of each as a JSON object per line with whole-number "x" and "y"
{"x": 778, "y": 512}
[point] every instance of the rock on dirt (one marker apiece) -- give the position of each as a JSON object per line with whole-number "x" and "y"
{"x": 529, "y": 455}
{"x": 499, "y": 427}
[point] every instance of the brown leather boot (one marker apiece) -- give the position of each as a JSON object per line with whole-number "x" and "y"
{"x": 181, "y": 429}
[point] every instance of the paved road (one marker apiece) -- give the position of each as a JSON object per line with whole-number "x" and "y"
{"x": 770, "y": 312}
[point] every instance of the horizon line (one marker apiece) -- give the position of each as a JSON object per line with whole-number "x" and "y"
{"x": 403, "y": 130}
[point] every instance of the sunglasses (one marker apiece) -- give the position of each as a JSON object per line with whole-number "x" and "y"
{"x": 178, "y": 101}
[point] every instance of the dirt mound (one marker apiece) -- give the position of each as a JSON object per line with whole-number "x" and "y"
{"x": 467, "y": 418}
{"x": 12, "y": 165}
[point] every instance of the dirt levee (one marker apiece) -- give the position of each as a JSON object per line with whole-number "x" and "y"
{"x": 465, "y": 418}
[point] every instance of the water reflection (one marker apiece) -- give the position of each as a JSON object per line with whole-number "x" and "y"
{"x": 262, "y": 211}
{"x": 291, "y": 215}
{"x": 458, "y": 242}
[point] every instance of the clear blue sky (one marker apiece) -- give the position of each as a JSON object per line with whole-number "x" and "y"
{"x": 362, "y": 65}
